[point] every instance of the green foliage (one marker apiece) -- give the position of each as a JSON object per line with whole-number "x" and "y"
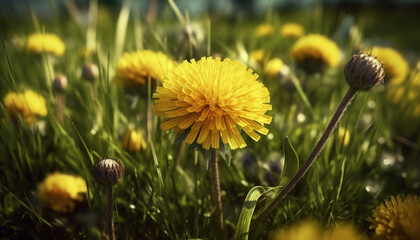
{"x": 166, "y": 190}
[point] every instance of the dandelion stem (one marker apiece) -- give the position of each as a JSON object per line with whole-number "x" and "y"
{"x": 214, "y": 169}
{"x": 61, "y": 104}
{"x": 111, "y": 234}
{"x": 307, "y": 164}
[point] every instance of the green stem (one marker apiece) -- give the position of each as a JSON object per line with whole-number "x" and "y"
{"x": 111, "y": 234}
{"x": 307, "y": 164}
{"x": 214, "y": 169}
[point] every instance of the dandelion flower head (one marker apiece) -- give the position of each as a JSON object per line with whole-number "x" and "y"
{"x": 273, "y": 67}
{"x": 292, "y": 30}
{"x": 211, "y": 98}
{"x": 312, "y": 230}
{"x": 133, "y": 69}
{"x": 396, "y": 67}
{"x": 134, "y": 141}
{"x": 257, "y": 55}
{"x": 45, "y": 42}
{"x": 407, "y": 93}
{"x": 60, "y": 192}
{"x": 28, "y": 104}
{"x": 264, "y": 30}
{"x": 397, "y": 219}
{"x": 316, "y": 49}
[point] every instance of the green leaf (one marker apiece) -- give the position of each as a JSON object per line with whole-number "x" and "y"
{"x": 242, "y": 228}
{"x": 291, "y": 162}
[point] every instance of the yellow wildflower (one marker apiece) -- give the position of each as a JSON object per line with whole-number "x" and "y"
{"x": 211, "y": 98}
{"x": 133, "y": 141}
{"x": 257, "y": 55}
{"x": 397, "y": 219}
{"x": 60, "y": 192}
{"x": 312, "y": 230}
{"x": 396, "y": 67}
{"x": 133, "y": 69}
{"x": 343, "y": 136}
{"x": 264, "y": 30}
{"x": 45, "y": 42}
{"x": 315, "y": 51}
{"x": 273, "y": 67}
{"x": 292, "y": 30}
{"x": 407, "y": 93}
{"x": 28, "y": 104}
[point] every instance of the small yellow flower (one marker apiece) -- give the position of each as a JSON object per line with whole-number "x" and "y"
{"x": 273, "y": 67}
{"x": 60, "y": 192}
{"x": 264, "y": 30}
{"x": 343, "y": 136}
{"x": 133, "y": 141}
{"x": 211, "y": 98}
{"x": 312, "y": 230}
{"x": 397, "y": 219}
{"x": 407, "y": 93}
{"x": 28, "y": 104}
{"x": 257, "y": 55}
{"x": 396, "y": 67}
{"x": 292, "y": 30}
{"x": 45, "y": 42}
{"x": 316, "y": 51}
{"x": 133, "y": 69}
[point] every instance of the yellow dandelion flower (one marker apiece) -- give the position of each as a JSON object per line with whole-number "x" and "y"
{"x": 292, "y": 30}
{"x": 406, "y": 93}
{"x": 211, "y": 98}
{"x": 60, "y": 192}
{"x": 315, "y": 51}
{"x": 134, "y": 141}
{"x": 264, "y": 30}
{"x": 257, "y": 55}
{"x": 273, "y": 67}
{"x": 133, "y": 69}
{"x": 28, "y": 104}
{"x": 312, "y": 230}
{"x": 45, "y": 42}
{"x": 397, "y": 219}
{"x": 343, "y": 136}
{"x": 396, "y": 67}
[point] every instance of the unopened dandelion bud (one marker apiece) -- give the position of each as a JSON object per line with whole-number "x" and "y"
{"x": 60, "y": 83}
{"x": 364, "y": 72}
{"x": 90, "y": 72}
{"x": 108, "y": 171}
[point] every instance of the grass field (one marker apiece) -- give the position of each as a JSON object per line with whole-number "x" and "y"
{"x": 166, "y": 191}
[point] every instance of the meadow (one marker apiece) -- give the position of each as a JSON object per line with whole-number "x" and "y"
{"x": 102, "y": 84}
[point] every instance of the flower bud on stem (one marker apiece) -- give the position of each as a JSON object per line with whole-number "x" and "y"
{"x": 362, "y": 72}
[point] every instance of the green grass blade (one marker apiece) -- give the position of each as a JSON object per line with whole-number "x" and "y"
{"x": 291, "y": 162}
{"x": 242, "y": 228}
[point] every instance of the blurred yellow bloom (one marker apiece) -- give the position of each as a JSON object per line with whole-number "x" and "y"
{"x": 211, "y": 98}
{"x": 343, "y": 136}
{"x": 45, "y": 42}
{"x": 28, "y": 104}
{"x": 133, "y": 69}
{"x": 313, "y": 231}
{"x": 60, "y": 192}
{"x": 396, "y": 67}
{"x": 264, "y": 30}
{"x": 134, "y": 141}
{"x": 397, "y": 219}
{"x": 316, "y": 49}
{"x": 273, "y": 67}
{"x": 257, "y": 55}
{"x": 407, "y": 93}
{"x": 292, "y": 30}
